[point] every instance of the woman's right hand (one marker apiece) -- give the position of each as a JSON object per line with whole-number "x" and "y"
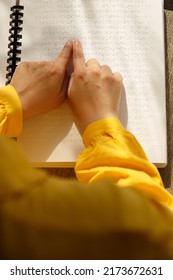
{"x": 94, "y": 92}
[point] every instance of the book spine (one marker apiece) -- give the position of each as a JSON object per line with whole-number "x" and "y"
{"x": 14, "y": 46}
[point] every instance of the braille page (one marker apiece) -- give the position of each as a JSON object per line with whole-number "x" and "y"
{"x": 129, "y": 37}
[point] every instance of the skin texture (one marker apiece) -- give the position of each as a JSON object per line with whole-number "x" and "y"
{"x": 42, "y": 86}
{"x": 94, "y": 92}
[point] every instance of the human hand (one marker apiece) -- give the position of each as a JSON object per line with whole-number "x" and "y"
{"x": 94, "y": 92}
{"x": 42, "y": 86}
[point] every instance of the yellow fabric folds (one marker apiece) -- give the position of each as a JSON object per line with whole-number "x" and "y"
{"x": 114, "y": 153}
{"x": 119, "y": 209}
{"x": 10, "y": 112}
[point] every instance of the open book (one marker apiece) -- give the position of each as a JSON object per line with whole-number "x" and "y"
{"x": 128, "y": 36}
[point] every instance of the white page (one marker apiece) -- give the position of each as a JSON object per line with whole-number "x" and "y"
{"x": 129, "y": 38}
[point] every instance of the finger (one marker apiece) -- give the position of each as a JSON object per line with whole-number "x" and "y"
{"x": 118, "y": 77}
{"x": 64, "y": 87}
{"x": 63, "y": 58}
{"x": 78, "y": 57}
{"x": 70, "y": 84}
{"x": 70, "y": 67}
{"x": 93, "y": 64}
{"x": 106, "y": 70}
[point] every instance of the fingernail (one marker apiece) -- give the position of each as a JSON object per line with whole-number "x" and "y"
{"x": 77, "y": 42}
{"x": 70, "y": 42}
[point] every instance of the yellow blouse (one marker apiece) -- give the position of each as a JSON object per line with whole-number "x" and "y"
{"x": 119, "y": 209}
{"x": 10, "y": 112}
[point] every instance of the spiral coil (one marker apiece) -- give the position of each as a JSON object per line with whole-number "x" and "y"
{"x": 15, "y": 37}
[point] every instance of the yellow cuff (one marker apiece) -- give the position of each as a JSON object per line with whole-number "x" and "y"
{"x": 11, "y": 125}
{"x": 109, "y": 126}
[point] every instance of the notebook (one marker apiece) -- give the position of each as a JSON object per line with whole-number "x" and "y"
{"x": 128, "y": 36}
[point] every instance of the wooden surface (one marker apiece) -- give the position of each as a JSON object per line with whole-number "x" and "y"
{"x": 166, "y": 173}
{"x": 168, "y": 4}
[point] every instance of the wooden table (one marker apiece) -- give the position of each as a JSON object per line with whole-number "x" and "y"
{"x": 166, "y": 173}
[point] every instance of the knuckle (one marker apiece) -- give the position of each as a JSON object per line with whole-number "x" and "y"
{"x": 108, "y": 78}
{"x": 52, "y": 69}
{"x": 96, "y": 72}
{"x": 80, "y": 75}
{"x": 25, "y": 67}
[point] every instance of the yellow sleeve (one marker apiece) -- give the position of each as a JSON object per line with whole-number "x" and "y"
{"x": 42, "y": 217}
{"x": 10, "y": 112}
{"x": 113, "y": 152}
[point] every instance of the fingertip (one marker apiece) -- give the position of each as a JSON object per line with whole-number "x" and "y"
{"x": 77, "y": 46}
{"x": 118, "y": 77}
{"x": 65, "y": 54}
{"x": 69, "y": 43}
{"x": 78, "y": 55}
{"x": 74, "y": 43}
{"x": 77, "y": 43}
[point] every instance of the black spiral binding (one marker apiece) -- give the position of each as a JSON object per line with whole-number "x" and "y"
{"x": 15, "y": 37}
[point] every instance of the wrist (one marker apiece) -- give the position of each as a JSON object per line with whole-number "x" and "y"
{"x": 86, "y": 122}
